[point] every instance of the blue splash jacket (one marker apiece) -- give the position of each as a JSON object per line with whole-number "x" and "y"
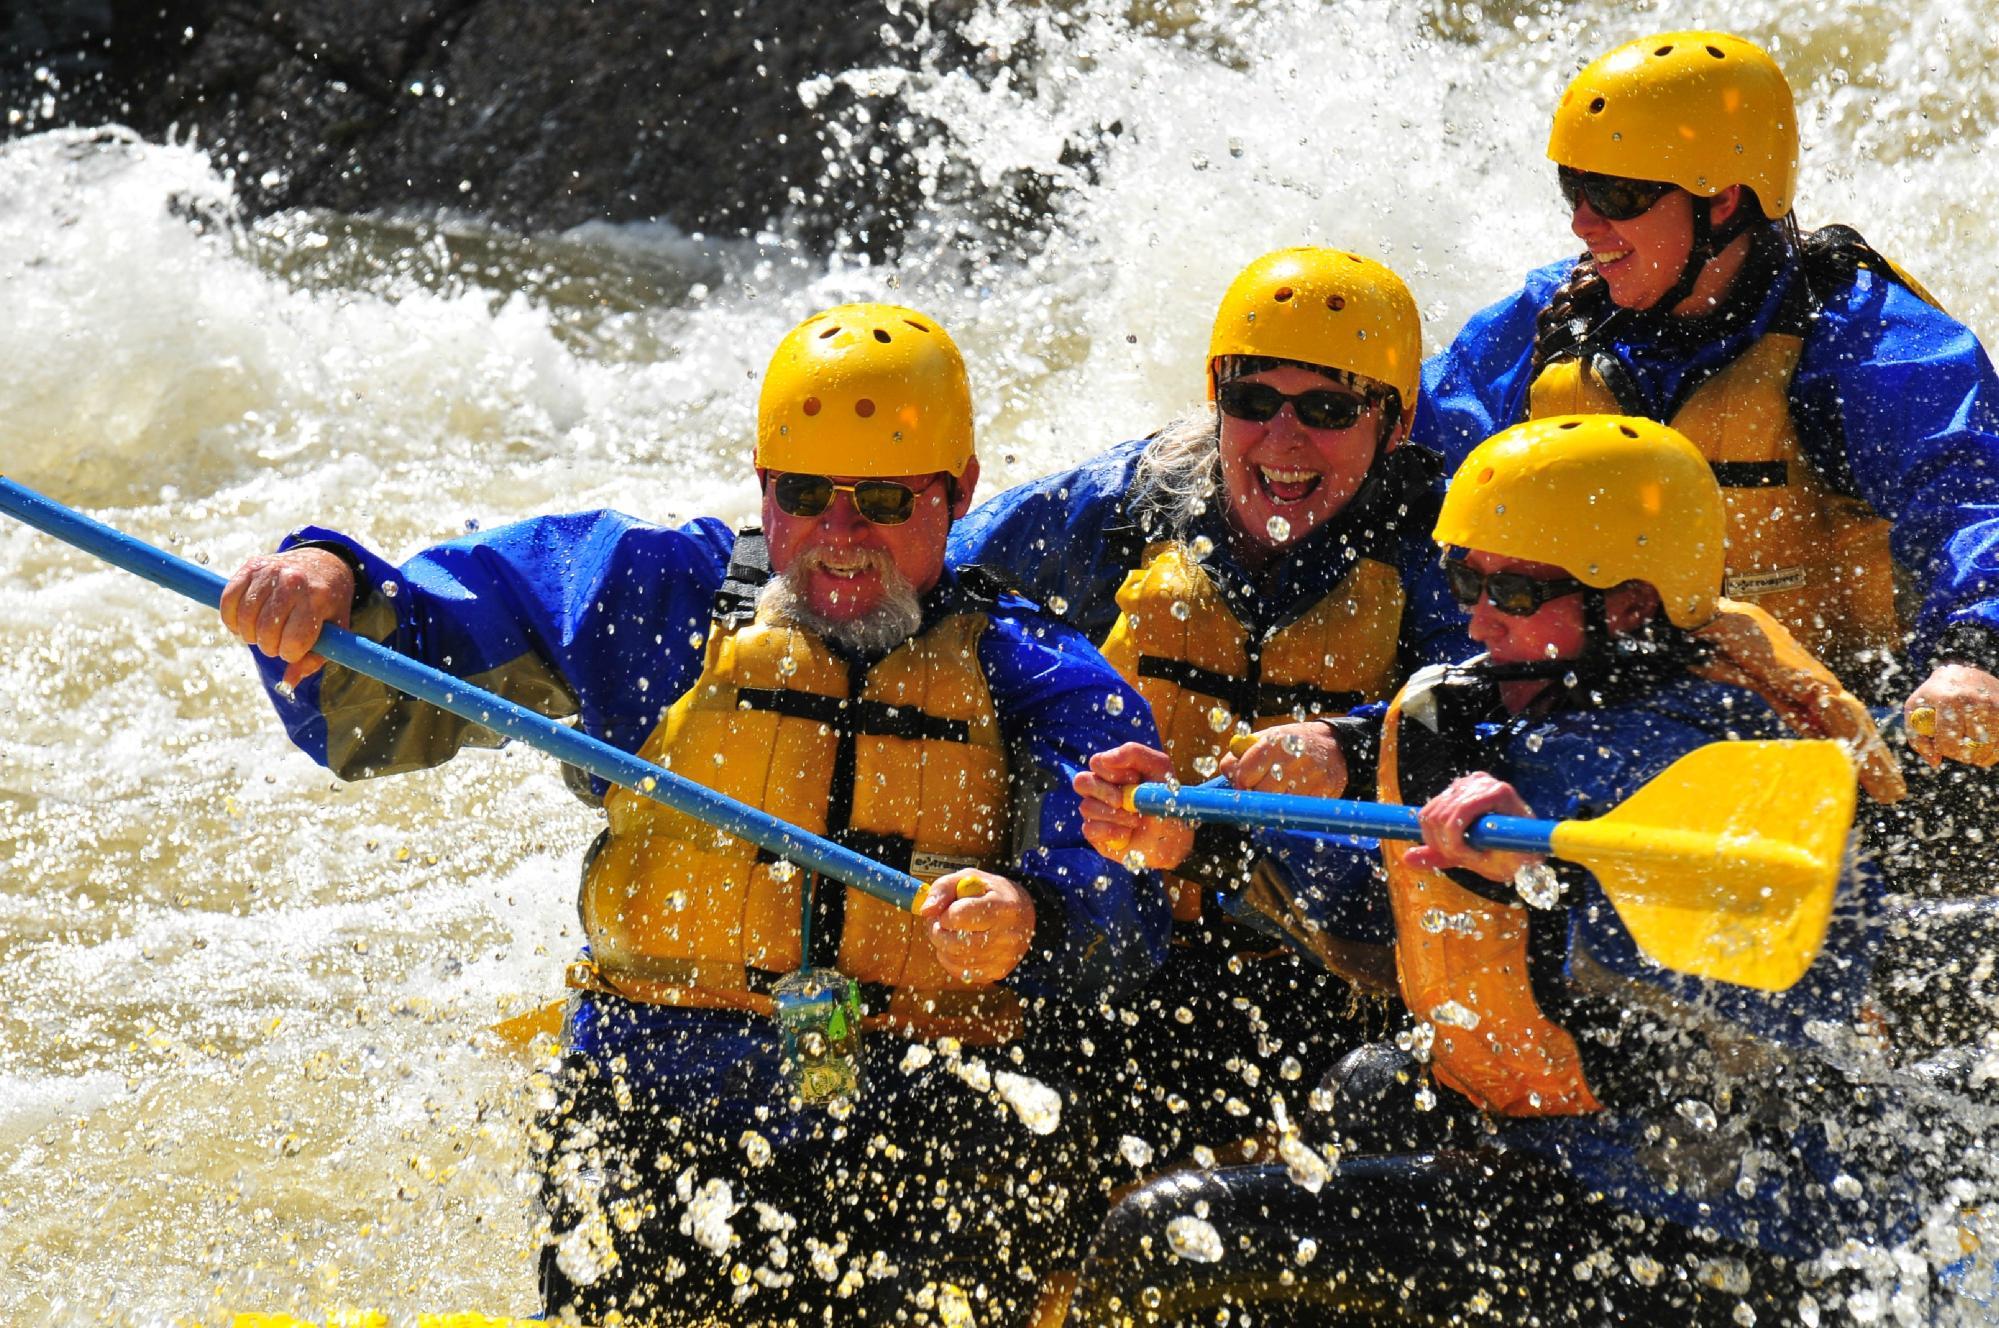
{"x": 604, "y": 617}
{"x": 1727, "y": 1108}
{"x": 1895, "y": 401}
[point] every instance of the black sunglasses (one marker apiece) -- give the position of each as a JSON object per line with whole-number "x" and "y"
{"x": 884, "y": 502}
{"x": 1320, "y": 408}
{"x": 1512, "y": 593}
{"x": 1612, "y": 197}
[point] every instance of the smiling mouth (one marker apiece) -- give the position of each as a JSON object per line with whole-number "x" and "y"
{"x": 1605, "y": 257}
{"x": 1288, "y": 486}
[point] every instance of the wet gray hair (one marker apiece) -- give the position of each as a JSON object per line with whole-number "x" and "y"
{"x": 1179, "y": 475}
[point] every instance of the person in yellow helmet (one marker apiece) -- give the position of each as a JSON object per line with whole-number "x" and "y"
{"x": 831, "y": 670}
{"x": 1262, "y": 560}
{"x": 1852, "y": 423}
{"x": 1571, "y": 1132}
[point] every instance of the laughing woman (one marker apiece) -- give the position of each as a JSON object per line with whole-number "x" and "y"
{"x": 1261, "y": 560}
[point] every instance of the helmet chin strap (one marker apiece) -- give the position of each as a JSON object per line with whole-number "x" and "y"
{"x": 1708, "y": 242}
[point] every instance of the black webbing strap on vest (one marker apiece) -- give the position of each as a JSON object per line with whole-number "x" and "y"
{"x": 1249, "y": 696}
{"x": 1750, "y": 474}
{"x": 851, "y": 718}
{"x": 749, "y": 571}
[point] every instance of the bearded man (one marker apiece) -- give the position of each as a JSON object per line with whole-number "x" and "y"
{"x": 829, "y": 670}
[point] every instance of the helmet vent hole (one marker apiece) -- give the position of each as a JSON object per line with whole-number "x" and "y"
{"x": 881, "y": 336}
{"x": 1336, "y": 302}
{"x": 830, "y": 332}
{"x": 918, "y": 326}
{"x": 1485, "y": 476}
{"x": 810, "y": 406}
{"x": 1283, "y": 293}
{"x": 1663, "y": 50}
{"x": 1572, "y": 424}
{"x": 1596, "y": 107}
{"x": 1716, "y": 52}
{"x": 865, "y": 407}
{"x": 1627, "y": 431}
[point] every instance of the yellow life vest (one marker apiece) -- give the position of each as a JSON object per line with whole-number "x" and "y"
{"x": 901, "y": 760}
{"x": 1177, "y": 641}
{"x": 1816, "y": 560}
{"x": 1461, "y": 961}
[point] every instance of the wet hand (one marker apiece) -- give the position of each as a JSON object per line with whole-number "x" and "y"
{"x": 1954, "y": 716}
{"x": 1117, "y": 832}
{"x": 1301, "y": 759}
{"x": 978, "y": 924}
{"x": 278, "y": 602}
{"x": 1446, "y": 817}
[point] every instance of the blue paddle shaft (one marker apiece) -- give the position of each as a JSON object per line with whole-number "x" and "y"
{"x": 481, "y": 707}
{"x": 1288, "y": 811}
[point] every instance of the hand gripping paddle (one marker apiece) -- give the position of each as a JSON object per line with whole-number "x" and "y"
{"x": 1724, "y": 866}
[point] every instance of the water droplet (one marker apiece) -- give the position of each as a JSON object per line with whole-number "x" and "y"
{"x": 390, "y": 589}
{"x": 1181, "y": 610}
{"x": 1697, "y": 1114}
{"x": 1057, "y": 605}
{"x": 1845, "y": 1186}
{"x": 1135, "y": 1151}
{"x": 1289, "y": 1068}
{"x": 1308, "y": 1250}
{"x": 1278, "y": 529}
{"x": 1114, "y": 703}
{"x": 1538, "y": 885}
{"x": 1206, "y": 765}
{"x": 1201, "y": 546}
{"x": 1134, "y": 861}
{"x": 1194, "y": 1240}
{"x": 1645, "y": 1269}
{"x": 1220, "y": 719}
{"x": 1183, "y": 1015}
{"x": 1743, "y": 1314}
{"x": 755, "y": 1147}
{"x": 1453, "y": 1015}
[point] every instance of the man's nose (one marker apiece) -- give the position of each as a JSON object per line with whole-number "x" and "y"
{"x": 1486, "y": 626}
{"x": 841, "y": 517}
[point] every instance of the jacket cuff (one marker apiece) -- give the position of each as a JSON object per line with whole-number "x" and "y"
{"x": 1360, "y": 744}
{"x": 1967, "y": 642}
{"x": 1047, "y": 948}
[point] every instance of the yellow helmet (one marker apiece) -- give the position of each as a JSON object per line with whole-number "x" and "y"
{"x": 1702, "y": 110}
{"x": 866, "y": 389}
{"x": 1326, "y": 307}
{"x": 1606, "y": 498}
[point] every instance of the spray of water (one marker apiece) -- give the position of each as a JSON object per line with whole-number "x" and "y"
{"x": 242, "y": 1004}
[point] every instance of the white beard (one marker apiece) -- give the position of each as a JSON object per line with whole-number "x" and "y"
{"x": 783, "y": 600}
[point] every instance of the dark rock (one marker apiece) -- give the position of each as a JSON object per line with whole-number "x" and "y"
{"x": 535, "y": 114}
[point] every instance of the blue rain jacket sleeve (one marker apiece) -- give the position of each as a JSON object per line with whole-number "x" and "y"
{"x": 1100, "y": 928}
{"x": 1064, "y": 541}
{"x": 1477, "y": 385}
{"x": 595, "y": 614}
{"x": 1903, "y": 397}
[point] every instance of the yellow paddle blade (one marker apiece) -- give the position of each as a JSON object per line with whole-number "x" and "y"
{"x": 1726, "y": 863}
{"x": 518, "y": 1033}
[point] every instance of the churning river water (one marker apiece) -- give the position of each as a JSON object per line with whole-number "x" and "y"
{"x": 242, "y": 1057}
